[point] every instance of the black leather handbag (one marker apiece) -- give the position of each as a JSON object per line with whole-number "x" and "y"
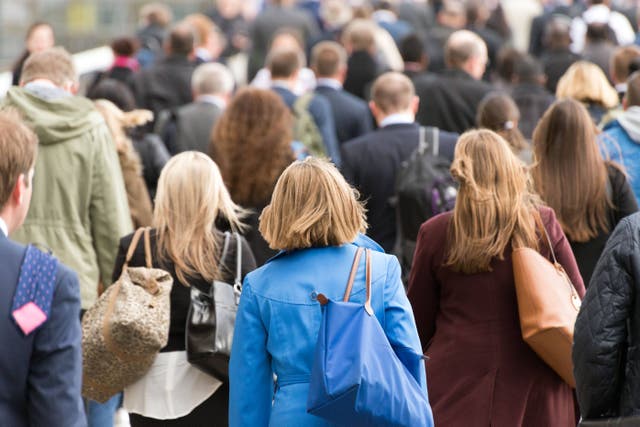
{"x": 211, "y": 319}
{"x": 633, "y": 421}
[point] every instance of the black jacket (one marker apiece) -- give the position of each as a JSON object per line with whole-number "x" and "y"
{"x": 606, "y": 345}
{"x": 371, "y": 163}
{"x": 351, "y": 114}
{"x": 165, "y": 85}
{"x": 532, "y": 101}
{"x": 450, "y": 101}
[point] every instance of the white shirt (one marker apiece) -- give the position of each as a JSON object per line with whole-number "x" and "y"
{"x": 213, "y": 99}
{"x": 172, "y": 388}
{"x": 306, "y": 81}
{"x": 398, "y": 118}
{"x": 326, "y": 82}
{"x": 4, "y": 228}
{"x": 600, "y": 14}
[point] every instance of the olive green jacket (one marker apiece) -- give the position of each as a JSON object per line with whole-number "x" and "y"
{"x": 79, "y": 204}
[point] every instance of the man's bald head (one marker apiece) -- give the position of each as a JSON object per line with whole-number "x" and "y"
{"x": 393, "y": 93}
{"x": 466, "y": 51}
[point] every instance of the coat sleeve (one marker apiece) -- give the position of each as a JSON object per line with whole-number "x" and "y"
{"x": 399, "y": 323}
{"x": 55, "y": 373}
{"x": 251, "y": 378}
{"x": 109, "y": 209}
{"x": 600, "y": 336}
{"x": 424, "y": 290}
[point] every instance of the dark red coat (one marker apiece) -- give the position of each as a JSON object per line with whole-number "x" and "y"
{"x": 480, "y": 372}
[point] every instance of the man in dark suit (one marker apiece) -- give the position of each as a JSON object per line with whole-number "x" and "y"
{"x": 277, "y": 15}
{"x": 453, "y": 96}
{"x": 284, "y": 65}
{"x": 167, "y": 84}
{"x": 350, "y": 113}
{"x": 371, "y": 161}
{"x": 189, "y": 127}
{"x": 41, "y": 358}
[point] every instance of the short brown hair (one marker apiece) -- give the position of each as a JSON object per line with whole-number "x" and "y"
{"x": 53, "y": 64}
{"x": 327, "y": 58}
{"x": 621, "y": 60}
{"x": 392, "y": 92}
{"x": 312, "y": 206}
{"x": 359, "y": 34}
{"x": 18, "y": 145}
{"x": 462, "y": 46}
{"x": 181, "y": 39}
{"x": 633, "y": 90}
{"x": 283, "y": 63}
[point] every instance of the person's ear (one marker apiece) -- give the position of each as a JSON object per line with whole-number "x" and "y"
{"x": 17, "y": 194}
{"x": 415, "y": 104}
{"x": 374, "y": 108}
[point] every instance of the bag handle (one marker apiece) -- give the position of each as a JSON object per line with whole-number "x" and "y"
{"x": 352, "y": 275}
{"x": 237, "y": 284}
{"x": 134, "y": 244}
{"x": 547, "y": 238}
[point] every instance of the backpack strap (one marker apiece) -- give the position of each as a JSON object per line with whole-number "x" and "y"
{"x": 429, "y": 136}
{"x": 225, "y": 247}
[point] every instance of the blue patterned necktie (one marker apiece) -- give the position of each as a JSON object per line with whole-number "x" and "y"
{"x": 34, "y": 293}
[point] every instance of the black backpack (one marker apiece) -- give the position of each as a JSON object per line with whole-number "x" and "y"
{"x": 424, "y": 188}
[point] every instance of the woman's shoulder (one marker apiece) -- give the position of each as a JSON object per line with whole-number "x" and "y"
{"x": 437, "y": 224}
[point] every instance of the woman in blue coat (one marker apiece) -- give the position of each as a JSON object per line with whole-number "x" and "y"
{"x": 313, "y": 217}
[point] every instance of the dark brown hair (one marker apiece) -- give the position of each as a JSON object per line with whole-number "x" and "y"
{"x": 18, "y": 145}
{"x": 282, "y": 63}
{"x": 251, "y": 143}
{"x": 499, "y": 113}
{"x": 633, "y": 90}
{"x": 569, "y": 172}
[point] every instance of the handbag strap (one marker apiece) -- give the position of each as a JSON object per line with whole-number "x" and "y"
{"x": 237, "y": 284}
{"x": 134, "y": 244}
{"x": 352, "y": 275}
{"x": 547, "y": 238}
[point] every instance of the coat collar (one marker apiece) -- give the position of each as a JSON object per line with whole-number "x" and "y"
{"x": 361, "y": 241}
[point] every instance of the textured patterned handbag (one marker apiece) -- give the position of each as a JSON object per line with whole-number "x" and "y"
{"x": 126, "y": 328}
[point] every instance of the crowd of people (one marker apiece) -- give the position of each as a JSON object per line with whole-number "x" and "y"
{"x": 268, "y": 144}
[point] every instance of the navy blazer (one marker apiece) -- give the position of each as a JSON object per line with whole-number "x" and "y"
{"x": 351, "y": 114}
{"x": 40, "y": 374}
{"x": 371, "y": 163}
{"x": 320, "y": 110}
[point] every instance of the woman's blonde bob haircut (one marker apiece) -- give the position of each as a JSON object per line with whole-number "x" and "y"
{"x": 312, "y": 206}
{"x": 190, "y": 198}
{"x": 585, "y": 82}
{"x": 494, "y": 208}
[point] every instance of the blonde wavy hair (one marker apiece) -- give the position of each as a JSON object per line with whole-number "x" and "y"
{"x": 586, "y": 82}
{"x": 190, "y": 198}
{"x": 118, "y": 121}
{"x": 494, "y": 207}
{"x": 312, "y": 206}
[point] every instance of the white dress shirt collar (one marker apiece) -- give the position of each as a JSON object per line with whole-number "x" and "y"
{"x": 3, "y": 227}
{"x": 396, "y": 119}
{"x": 327, "y": 82}
{"x": 214, "y": 100}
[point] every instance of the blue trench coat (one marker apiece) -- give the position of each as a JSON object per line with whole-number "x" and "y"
{"x": 278, "y": 322}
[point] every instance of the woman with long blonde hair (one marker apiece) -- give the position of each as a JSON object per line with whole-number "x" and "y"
{"x": 586, "y": 82}
{"x": 588, "y": 194}
{"x": 480, "y": 371}
{"x": 186, "y": 242}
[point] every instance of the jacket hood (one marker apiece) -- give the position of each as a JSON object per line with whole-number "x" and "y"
{"x": 57, "y": 119}
{"x": 630, "y": 122}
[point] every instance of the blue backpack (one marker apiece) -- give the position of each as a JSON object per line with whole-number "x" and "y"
{"x": 357, "y": 379}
